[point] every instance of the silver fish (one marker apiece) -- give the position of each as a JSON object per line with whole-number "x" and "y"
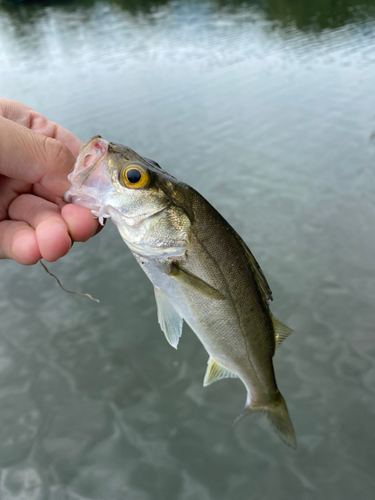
{"x": 201, "y": 269}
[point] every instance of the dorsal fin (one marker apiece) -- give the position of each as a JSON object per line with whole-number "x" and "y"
{"x": 257, "y": 271}
{"x": 281, "y": 331}
{"x": 216, "y": 372}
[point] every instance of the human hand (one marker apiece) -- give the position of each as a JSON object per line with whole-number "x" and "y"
{"x": 36, "y": 155}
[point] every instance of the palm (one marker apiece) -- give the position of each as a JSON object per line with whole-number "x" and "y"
{"x": 34, "y": 221}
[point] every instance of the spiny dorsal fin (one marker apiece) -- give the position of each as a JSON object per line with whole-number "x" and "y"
{"x": 281, "y": 331}
{"x": 169, "y": 320}
{"x": 255, "y": 267}
{"x": 216, "y": 372}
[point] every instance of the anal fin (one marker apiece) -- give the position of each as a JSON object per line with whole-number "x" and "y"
{"x": 169, "y": 320}
{"x": 216, "y": 372}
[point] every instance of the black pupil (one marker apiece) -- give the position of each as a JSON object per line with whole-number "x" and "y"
{"x": 133, "y": 175}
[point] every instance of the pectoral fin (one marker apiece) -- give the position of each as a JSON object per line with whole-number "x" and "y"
{"x": 194, "y": 282}
{"x": 170, "y": 322}
{"x": 216, "y": 372}
{"x": 281, "y": 331}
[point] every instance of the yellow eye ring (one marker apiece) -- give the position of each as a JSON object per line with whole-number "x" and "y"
{"x": 135, "y": 177}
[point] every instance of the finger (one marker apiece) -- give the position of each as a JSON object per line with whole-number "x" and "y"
{"x": 18, "y": 242}
{"x": 43, "y": 192}
{"x": 9, "y": 190}
{"x": 81, "y": 222}
{"x": 41, "y": 125}
{"x": 50, "y": 229}
{"x": 34, "y": 158}
{"x": 33, "y": 120}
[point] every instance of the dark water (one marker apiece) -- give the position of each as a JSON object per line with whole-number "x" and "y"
{"x": 268, "y": 109}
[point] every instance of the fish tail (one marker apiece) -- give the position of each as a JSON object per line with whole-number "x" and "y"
{"x": 278, "y": 415}
{"x": 279, "y": 418}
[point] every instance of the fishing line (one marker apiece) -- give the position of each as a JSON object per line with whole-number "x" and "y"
{"x": 65, "y": 290}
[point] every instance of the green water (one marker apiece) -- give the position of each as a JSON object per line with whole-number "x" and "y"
{"x": 268, "y": 109}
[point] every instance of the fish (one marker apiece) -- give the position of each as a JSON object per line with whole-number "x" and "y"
{"x": 202, "y": 271}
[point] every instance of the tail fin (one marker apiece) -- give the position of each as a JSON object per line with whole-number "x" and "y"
{"x": 277, "y": 414}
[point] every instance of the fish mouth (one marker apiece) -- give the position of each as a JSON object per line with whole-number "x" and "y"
{"x": 93, "y": 152}
{"x": 90, "y": 179}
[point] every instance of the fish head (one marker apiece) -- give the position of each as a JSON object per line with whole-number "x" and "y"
{"x": 114, "y": 181}
{"x": 108, "y": 175}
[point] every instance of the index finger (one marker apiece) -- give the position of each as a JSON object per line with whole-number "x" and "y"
{"x": 19, "y": 113}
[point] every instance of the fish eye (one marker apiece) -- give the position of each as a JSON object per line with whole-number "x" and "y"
{"x": 135, "y": 177}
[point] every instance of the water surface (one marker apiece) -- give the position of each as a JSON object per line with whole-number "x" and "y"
{"x": 268, "y": 109}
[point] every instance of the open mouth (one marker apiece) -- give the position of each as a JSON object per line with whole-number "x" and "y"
{"x": 91, "y": 156}
{"x": 90, "y": 179}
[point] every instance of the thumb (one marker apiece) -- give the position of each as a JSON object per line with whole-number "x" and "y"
{"x": 34, "y": 158}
